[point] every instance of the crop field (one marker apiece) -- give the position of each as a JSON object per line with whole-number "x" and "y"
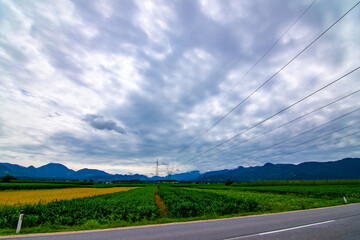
{"x": 151, "y": 204}
{"x": 324, "y": 191}
{"x": 33, "y": 185}
{"x": 182, "y": 203}
{"x": 45, "y": 196}
{"x": 129, "y": 206}
{"x": 299, "y": 182}
{"x": 272, "y": 202}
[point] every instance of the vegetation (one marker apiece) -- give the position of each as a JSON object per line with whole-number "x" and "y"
{"x": 272, "y": 202}
{"x": 7, "y": 178}
{"x": 33, "y": 185}
{"x": 45, "y": 196}
{"x": 323, "y": 191}
{"x": 182, "y": 203}
{"x": 299, "y": 183}
{"x": 131, "y": 206}
{"x": 228, "y": 182}
{"x": 165, "y": 203}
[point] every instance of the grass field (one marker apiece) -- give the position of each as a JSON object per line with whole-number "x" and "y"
{"x": 19, "y": 198}
{"x": 177, "y": 202}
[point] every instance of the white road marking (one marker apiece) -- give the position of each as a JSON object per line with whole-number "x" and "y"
{"x": 280, "y": 230}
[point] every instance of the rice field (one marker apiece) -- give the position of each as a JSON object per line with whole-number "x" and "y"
{"x": 18, "y": 198}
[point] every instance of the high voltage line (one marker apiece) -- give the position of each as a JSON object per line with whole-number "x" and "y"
{"x": 351, "y": 125}
{"x": 281, "y": 111}
{"x": 263, "y": 56}
{"x": 264, "y": 83}
{"x": 286, "y": 140}
{"x": 333, "y": 140}
{"x": 282, "y": 152}
{"x": 284, "y": 124}
{"x": 252, "y": 67}
{"x": 303, "y": 133}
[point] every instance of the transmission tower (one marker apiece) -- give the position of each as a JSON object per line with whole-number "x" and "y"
{"x": 157, "y": 169}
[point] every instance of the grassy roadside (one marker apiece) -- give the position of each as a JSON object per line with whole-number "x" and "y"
{"x": 92, "y": 225}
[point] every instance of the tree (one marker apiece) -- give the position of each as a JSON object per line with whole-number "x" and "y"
{"x": 7, "y": 178}
{"x": 228, "y": 182}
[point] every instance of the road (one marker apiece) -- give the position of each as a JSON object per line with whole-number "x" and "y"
{"x": 335, "y": 223}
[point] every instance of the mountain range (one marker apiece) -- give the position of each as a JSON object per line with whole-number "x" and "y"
{"x": 348, "y": 168}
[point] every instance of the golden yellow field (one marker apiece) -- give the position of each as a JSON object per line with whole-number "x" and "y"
{"x": 46, "y": 196}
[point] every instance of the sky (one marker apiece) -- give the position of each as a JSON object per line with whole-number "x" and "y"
{"x": 116, "y": 85}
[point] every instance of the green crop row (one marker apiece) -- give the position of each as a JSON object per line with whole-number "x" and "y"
{"x": 272, "y": 202}
{"x": 181, "y": 203}
{"x": 327, "y": 191}
{"x": 350, "y": 189}
{"x": 298, "y": 182}
{"x": 131, "y": 206}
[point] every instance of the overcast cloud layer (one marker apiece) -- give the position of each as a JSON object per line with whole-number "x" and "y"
{"x": 114, "y": 85}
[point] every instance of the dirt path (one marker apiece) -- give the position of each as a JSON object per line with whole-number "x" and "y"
{"x": 160, "y": 204}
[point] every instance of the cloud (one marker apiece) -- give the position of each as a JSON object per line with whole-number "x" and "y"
{"x": 91, "y": 83}
{"x": 98, "y": 122}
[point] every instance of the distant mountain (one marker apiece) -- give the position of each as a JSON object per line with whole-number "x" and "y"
{"x": 59, "y": 171}
{"x": 90, "y": 174}
{"x": 188, "y": 176}
{"x": 348, "y": 168}
{"x": 54, "y": 170}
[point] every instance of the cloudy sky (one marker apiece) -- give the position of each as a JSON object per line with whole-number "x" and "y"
{"x": 114, "y": 85}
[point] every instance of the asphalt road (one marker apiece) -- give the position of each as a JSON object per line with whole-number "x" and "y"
{"x": 335, "y": 223}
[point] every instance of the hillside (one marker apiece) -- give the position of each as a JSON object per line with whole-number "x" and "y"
{"x": 348, "y": 168}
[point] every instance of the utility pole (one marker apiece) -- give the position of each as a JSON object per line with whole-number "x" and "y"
{"x": 157, "y": 169}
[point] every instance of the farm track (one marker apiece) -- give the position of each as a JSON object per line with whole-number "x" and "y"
{"x": 160, "y": 204}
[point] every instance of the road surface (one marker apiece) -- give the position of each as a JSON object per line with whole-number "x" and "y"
{"x": 335, "y": 223}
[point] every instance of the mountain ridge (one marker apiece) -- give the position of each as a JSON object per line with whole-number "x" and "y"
{"x": 347, "y": 168}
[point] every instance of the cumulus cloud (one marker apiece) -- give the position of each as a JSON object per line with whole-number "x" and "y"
{"x": 155, "y": 75}
{"x": 98, "y": 122}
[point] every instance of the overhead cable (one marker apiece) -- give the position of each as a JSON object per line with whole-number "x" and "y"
{"x": 333, "y": 140}
{"x": 281, "y": 111}
{"x": 268, "y": 80}
{"x": 284, "y": 124}
{"x": 303, "y": 133}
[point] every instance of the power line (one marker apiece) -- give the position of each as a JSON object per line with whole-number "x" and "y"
{"x": 281, "y": 111}
{"x": 284, "y": 124}
{"x": 269, "y": 79}
{"x": 300, "y": 134}
{"x": 310, "y": 130}
{"x": 333, "y": 140}
{"x": 253, "y": 66}
{"x": 351, "y": 125}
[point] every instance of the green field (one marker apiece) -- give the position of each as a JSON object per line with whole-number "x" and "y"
{"x": 184, "y": 202}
